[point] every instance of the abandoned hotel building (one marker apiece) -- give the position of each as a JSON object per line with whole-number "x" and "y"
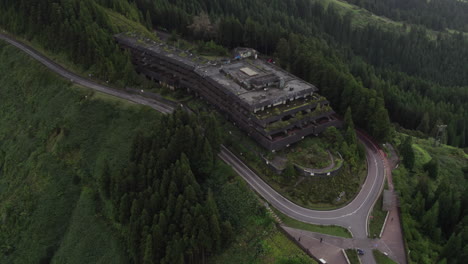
{"x": 274, "y": 107}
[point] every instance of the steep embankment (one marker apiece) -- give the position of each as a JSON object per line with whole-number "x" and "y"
{"x": 53, "y": 140}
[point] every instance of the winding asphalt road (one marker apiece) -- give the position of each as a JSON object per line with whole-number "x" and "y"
{"x": 353, "y": 216}
{"x": 157, "y": 105}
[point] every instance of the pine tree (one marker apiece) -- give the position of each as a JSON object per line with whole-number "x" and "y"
{"x": 432, "y": 168}
{"x": 453, "y": 246}
{"x": 105, "y": 181}
{"x": 379, "y": 124}
{"x": 289, "y": 172}
{"x": 418, "y": 206}
{"x": 124, "y": 209}
{"x": 148, "y": 21}
{"x": 333, "y": 135}
{"x": 348, "y": 120}
{"x": 148, "y": 253}
{"x": 206, "y": 161}
{"x": 213, "y": 132}
{"x": 430, "y": 219}
{"x": 227, "y": 233}
{"x": 134, "y": 239}
{"x": 215, "y": 231}
{"x": 158, "y": 243}
{"x": 282, "y": 52}
{"x": 204, "y": 241}
{"x": 424, "y": 125}
{"x": 351, "y": 139}
{"x": 408, "y": 153}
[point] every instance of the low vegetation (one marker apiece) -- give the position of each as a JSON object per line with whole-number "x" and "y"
{"x": 352, "y": 256}
{"x": 323, "y": 229}
{"x": 380, "y": 258}
{"x": 311, "y": 154}
{"x": 377, "y": 218}
{"x": 312, "y": 192}
{"x": 259, "y": 241}
{"x": 53, "y": 140}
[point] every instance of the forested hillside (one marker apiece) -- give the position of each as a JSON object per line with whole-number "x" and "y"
{"x": 434, "y": 14}
{"x": 169, "y": 217}
{"x": 434, "y": 204}
{"x": 81, "y": 30}
{"x": 123, "y": 180}
{"x": 421, "y": 77}
{"x": 87, "y": 178}
{"x": 418, "y": 76}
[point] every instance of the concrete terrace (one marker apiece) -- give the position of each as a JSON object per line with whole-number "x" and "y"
{"x": 289, "y": 107}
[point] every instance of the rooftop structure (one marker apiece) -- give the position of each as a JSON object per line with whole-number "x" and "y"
{"x": 271, "y": 105}
{"x": 257, "y": 83}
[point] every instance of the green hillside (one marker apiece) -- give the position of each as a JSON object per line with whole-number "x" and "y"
{"x": 432, "y": 184}
{"x": 84, "y": 177}
{"x": 55, "y": 138}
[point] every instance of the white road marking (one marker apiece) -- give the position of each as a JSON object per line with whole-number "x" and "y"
{"x": 253, "y": 178}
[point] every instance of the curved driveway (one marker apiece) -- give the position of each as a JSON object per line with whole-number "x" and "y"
{"x": 353, "y": 216}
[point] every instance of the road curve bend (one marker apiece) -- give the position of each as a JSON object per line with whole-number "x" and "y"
{"x": 353, "y": 216}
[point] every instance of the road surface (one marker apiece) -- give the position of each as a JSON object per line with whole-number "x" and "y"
{"x": 157, "y": 105}
{"x": 353, "y": 216}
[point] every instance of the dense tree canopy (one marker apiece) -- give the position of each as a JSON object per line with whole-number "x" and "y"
{"x": 415, "y": 74}
{"x": 167, "y": 215}
{"x": 406, "y": 74}
{"x": 411, "y": 71}
{"x": 433, "y": 203}
{"x": 79, "y": 29}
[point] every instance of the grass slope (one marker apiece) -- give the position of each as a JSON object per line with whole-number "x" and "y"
{"x": 377, "y": 218}
{"x": 53, "y": 139}
{"x": 87, "y": 238}
{"x": 451, "y": 161}
{"x": 258, "y": 240}
{"x": 329, "y": 230}
{"x": 352, "y": 256}
{"x": 362, "y": 17}
{"x": 380, "y": 258}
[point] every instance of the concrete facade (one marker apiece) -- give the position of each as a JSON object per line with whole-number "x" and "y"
{"x": 274, "y": 107}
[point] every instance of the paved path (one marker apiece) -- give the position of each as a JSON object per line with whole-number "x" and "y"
{"x": 353, "y": 216}
{"x": 393, "y": 235}
{"x": 311, "y": 242}
{"x": 330, "y": 247}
